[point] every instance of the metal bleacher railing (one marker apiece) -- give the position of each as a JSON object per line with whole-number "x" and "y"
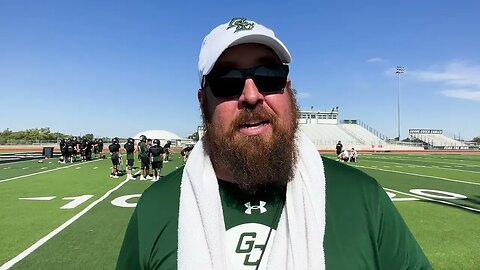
{"x": 367, "y": 127}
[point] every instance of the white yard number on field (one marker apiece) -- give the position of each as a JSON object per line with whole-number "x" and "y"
{"x": 129, "y": 201}
{"x": 122, "y": 200}
{"x": 75, "y": 201}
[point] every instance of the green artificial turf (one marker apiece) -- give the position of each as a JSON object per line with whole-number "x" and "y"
{"x": 448, "y": 234}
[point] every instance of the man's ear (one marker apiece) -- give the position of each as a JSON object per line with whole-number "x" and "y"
{"x": 202, "y": 100}
{"x": 200, "y": 97}
{"x": 289, "y": 88}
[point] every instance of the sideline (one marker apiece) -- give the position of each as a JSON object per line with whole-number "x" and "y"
{"x": 18, "y": 161}
{"x": 49, "y": 236}
{"x": 420, "y": 175}
{"x": 431, "y": 199}
{"x": 56, "y": 169}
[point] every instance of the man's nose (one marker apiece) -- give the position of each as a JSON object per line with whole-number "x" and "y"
{"x": 251, "y": 96}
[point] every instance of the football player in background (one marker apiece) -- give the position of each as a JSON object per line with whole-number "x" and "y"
{"x": 130, "y": 149}
{"x": 114, "y": 149}
{"x": 100, "y": 148}
{"x": 143, "y": 157}
{"x": 166, "y": 147}
{"x": 156, "y": 155}
{"x": 63, "y": 150}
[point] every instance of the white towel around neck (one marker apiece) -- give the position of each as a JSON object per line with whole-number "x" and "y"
{"x": 298, "y": 242}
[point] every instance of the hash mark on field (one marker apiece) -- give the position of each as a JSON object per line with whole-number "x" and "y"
{"x": 95, "y": 168}
{"x": 6, "y": 168}
{"x": 39, "y": 198}
{"x": 78, "y": 168}
{"x": 25, "y": 168}
{"x": 43, "y": 168}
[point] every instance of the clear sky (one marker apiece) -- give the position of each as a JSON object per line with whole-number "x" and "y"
{"x": 115, "y": 68}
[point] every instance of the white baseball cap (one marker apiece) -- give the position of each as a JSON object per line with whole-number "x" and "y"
{"x": 237, "y": 31}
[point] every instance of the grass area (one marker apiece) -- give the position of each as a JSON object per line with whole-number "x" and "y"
{"x": 447, "y": 233}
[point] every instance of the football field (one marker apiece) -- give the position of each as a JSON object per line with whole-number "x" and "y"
{"x": 73, "y": 216}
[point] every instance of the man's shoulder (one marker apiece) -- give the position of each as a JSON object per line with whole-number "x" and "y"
{"x": 339, "y": 175}
{"x": 163, "y": 196}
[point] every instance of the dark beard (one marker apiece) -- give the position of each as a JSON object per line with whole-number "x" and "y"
{"x": 256, "y": 163}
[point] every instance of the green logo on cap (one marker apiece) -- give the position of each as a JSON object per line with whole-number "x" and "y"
{"x": 241, "y": 24}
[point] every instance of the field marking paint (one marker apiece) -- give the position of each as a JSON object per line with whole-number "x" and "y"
{"x": 39, "y": 198}
{"x": 422, "y": 175}
{"x": 392, "y": 195}
{"x": 75, "y": 201}
{"x": 431, "y": 199}
{"x": 421, "y": 166}
{"x": 32, "y": 174}
{"x": 24, "y": 168}
{"x": 8, "y": 163}
{"x": 49, "y": 236}
{"x": 430, "y": 160}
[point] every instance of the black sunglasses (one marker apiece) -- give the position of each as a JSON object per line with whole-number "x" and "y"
{"x": 230, "y": 82}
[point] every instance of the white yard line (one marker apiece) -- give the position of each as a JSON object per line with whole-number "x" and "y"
{"x": 32, "y": 174}
{"x": 430, "y": 199}
{"x": 421, "y": 175}
{"x": 49, "y": 236}
{"x": 422, "y": 166}
{"x": 430, "y": 160}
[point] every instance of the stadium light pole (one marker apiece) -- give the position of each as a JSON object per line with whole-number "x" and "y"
{"x": 400, "y": 70}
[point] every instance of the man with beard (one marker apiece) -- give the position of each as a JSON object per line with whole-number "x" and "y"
{"x": 255, "y": 193}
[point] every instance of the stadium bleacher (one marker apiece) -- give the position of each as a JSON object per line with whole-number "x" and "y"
{"x": 438, "y": 140}
{"x": 325, "y": 131}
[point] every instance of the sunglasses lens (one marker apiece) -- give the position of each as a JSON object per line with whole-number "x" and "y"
{"x": 271, "y": 79}
{"x": 226, "y": 87}
{"x": 270, "y": 84}
{"x": 230, "y": 83}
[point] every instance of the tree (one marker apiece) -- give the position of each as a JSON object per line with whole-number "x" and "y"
{"x": 476, "y": 139}
{"x": 88, "y": 136}
{"x": 29, "y": 135}
{"x": 194, "y": 136}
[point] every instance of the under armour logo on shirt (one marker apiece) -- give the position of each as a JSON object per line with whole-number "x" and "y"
{"x": 260, "y": 207}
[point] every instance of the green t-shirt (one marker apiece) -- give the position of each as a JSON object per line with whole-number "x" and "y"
{"x": 142, "y": 147}
{"x": 363, "y": 228}
{"x": 250, "y": 223}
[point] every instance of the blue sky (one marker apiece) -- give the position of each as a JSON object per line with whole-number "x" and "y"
{"x": 115, "y": 68}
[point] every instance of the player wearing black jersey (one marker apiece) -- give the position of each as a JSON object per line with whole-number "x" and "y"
{"x": 114, "y": 149}
{"x": 130, "y": 149}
